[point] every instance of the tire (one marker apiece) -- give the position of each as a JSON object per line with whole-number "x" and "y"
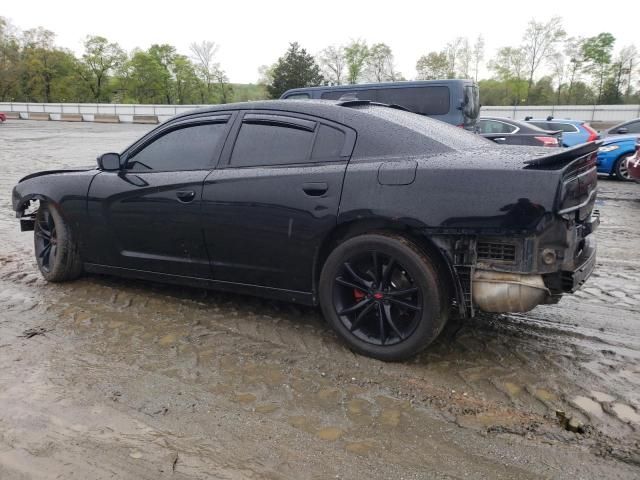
{"x": 382, "y": 276}
{"x": 621, "y": 170}
{"x": 55, "y": 249}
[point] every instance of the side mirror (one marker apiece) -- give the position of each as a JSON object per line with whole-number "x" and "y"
{"x": 109, "y": 162}
{"x": 622, "y": 130}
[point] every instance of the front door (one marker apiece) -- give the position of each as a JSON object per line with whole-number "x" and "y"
{"x": 147, "y": 216}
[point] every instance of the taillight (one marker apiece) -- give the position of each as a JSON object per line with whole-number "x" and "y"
{"x": 548, "y": 141}
{"x": 593, "y": 135}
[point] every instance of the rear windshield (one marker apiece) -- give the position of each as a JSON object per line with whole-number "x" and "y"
{"x": 455, "y": 138}
{"x": 471, "y": 102}
{"x": 433, "y": 100}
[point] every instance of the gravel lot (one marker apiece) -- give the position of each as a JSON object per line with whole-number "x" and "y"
{"x": 111, "y": 378}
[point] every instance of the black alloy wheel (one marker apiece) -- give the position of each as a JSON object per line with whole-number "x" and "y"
{"x": 56, "y": 251}
{"x": 376, "y": 299}
{"x": 46, "y": 241}
{"x": 384, "y": 295}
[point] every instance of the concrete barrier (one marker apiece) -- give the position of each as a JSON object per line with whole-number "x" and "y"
{"x": 12, "y": 115}
{"x": 38, "y": 116}
{"x": 145, "y": 119}
{"x": 70, "y": 117}
{"x": 106, "y": 118}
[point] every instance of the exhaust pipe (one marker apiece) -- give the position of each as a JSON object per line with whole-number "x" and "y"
{"x": 500, "y": 292}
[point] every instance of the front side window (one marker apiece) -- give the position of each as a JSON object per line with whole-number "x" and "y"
{"x": 186, "y": 148}
{"x": 633, "y": 127}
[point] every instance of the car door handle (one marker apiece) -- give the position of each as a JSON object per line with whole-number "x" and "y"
{"x": 315, "y": 189}
{"x": 186, "y": 196}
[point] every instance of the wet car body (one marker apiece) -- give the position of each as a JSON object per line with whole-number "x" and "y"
{"x": 614, "y": 154}
{"x": 508, "y": 227}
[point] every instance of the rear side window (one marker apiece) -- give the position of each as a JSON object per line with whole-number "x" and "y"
{"x": 298, "y": 96}
{"x": 328, "y": 144}
{"x": 271, "y": 144}
{"x": 565, "y": 127}
{"x": 494, "y": 126}
{"x": 187, "y": 148}
{"x": 363, "y": 94}
{"x": 424, "y": 100}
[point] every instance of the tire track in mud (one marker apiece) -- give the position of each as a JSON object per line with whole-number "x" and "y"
{"x": 482, "y": 374}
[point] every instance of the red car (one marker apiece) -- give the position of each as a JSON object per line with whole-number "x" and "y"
{"x": 633, "y": 163}
{"x": 3, "y": 117}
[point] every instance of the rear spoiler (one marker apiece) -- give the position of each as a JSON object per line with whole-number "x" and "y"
{"x": 564, "y": 156}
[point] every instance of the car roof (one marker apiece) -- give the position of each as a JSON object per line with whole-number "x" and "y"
{"x": 376, "y": 123}
{"x": 404, "y": 83}
{"x": 557, "y": 120}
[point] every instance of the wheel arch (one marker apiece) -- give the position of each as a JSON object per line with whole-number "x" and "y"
{"x": 353, "y": 228}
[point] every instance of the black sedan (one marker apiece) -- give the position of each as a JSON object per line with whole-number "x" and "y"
{"x": 390, "y": 221}
{"x": 506, "y": 131}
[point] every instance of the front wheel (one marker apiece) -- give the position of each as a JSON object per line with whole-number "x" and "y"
{"x": 622, "y": 171}
{"x": 56, "y": 251}
{"x": 383, "y": 296}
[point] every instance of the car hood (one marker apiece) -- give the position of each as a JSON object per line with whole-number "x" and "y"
{"x": 54, "y": 172}
{"x": 620, "y": 138}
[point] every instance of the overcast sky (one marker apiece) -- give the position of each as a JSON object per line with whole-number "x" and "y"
{"x": 254, "y": 33}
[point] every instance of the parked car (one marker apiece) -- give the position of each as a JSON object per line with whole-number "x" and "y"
{"x": 614, "y": 153}
{"x": 514, "y": 132}
{"x": 574, "y": 132}
{"x": 624, "y": 128}
{"x": 452, "y": 101}
{"x": 3, "y": 117}
{"x": 388, "y": 220}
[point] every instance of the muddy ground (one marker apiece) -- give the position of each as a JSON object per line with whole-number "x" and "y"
{"x": 110, "y": 378}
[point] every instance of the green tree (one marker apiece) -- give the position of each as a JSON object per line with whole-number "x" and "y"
{"x": 539, "y": 42}
{"x": 99, "y": 59}
{"x": 43, "y": 65}
{"x": 10, "y": 61}
{"x": 597, "y": 53}
{"x": 379, "y": 63}
{"x": 356, "y": 54}
{"x": 333, "y": 63}
{"x": 509, "y": 65}
{"x": 296, "y": 68}
{"x": 433, "y": 66}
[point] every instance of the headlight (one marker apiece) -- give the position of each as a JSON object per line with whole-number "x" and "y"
{"x": 608, "y": 148}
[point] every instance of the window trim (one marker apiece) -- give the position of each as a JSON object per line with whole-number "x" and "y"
{"x": 345, "y": 154}
{"x": 160, "y": 132}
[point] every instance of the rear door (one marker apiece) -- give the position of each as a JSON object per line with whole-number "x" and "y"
{"x": 147, "y": 216}
{"x": 275, "y": 196}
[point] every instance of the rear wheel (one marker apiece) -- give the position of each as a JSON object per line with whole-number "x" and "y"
{"x": 56, "y": 251}
{"x": 622, "y": 171}
{"x": 383, "y": 296}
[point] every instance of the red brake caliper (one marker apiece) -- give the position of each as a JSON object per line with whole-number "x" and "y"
{"x": 358, "y": 294}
